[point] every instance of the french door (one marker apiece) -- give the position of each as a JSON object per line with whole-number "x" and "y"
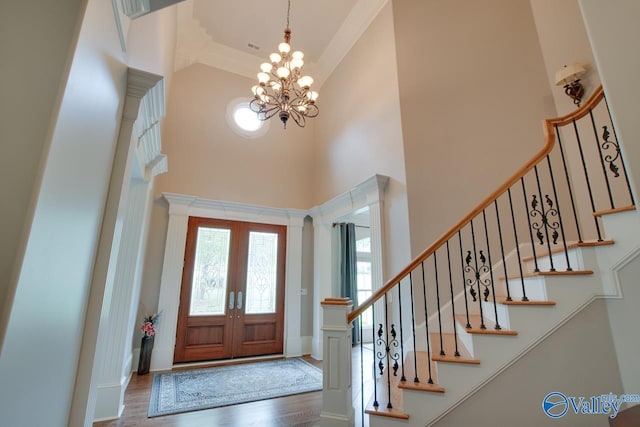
{"x": 232, "y": 293}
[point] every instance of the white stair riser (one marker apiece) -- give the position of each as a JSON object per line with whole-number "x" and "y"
{"x": 534, "y": 287}
{"x": 559, "y": 260}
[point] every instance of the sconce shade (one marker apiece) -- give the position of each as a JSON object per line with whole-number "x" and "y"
{"x": 569, "y": 73}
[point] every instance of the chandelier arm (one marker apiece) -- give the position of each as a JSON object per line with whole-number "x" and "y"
{"x": 297, "y": 117}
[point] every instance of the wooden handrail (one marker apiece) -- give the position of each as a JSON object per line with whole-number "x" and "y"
{"x": 550, "y": 139}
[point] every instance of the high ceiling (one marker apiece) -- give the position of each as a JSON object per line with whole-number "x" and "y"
{"x": 238, "y": 35}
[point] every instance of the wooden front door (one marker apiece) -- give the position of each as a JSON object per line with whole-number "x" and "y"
{"x": 232, "y": 294}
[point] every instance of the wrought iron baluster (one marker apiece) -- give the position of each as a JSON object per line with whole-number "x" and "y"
{"x": 464, "y": 286}
{"x": 586, "y": 177}
{"x": 608, "y": 158}
{"x": 493, "y": 290}
{"x": 624, "y": 168}
{"x": 388, "y": 345}
{"x": 426, "y": 323}
{"x": 569, "y": 186}
{"x": 545, "y": 217}
{"x": 402, "y": 377}
{"x": 435, "y": 269}
{"x": 453, "y": 305}
{"x": 413, "y": 331}
{"x": 504, "y": 260}
{"x": 555, "y": 195}
{"x": 515, "y": 233}
{"x": 533, "y": 245}
{"x": 373, "y": 359}
{"x": 476, "y": 274}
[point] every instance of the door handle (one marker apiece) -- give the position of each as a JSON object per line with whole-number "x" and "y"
{"x": 239, "y": 300}
{"x": 231, "y": 300}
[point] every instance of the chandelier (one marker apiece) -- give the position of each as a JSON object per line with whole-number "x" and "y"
{"x": 281, "y": 88}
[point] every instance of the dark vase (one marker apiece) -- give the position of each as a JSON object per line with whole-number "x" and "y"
{"x": 145, "y": 355}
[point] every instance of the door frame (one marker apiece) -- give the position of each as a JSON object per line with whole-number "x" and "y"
{"x": 183, "y": 206}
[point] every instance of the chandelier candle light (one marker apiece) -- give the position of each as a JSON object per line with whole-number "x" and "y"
{"x": 281, "y": 88}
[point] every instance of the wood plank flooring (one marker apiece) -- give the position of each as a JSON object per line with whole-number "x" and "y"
{"x": 298, "y": 410}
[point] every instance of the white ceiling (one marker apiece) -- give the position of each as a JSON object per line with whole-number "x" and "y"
{"x": 218, "y": 32}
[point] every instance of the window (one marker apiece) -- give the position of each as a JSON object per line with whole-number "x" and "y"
{"x": 243, "y": 121}
{"x": 363, "y": 271}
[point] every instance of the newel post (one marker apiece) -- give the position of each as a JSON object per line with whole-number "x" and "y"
{"x": 337, "y": 402}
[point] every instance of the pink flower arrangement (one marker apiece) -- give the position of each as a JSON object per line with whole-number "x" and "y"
{"x": 149, "y": 325}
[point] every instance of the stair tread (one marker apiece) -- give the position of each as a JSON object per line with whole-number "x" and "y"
{"x": 502, "y": 299}
{"x": 573, "y": 245}
{"x": 422, "y": 362}
{"x": 614, "y": 210}
{"x": 449, "y": 347}
{"x": 382, "y": 391}
{"x": 551, "y": 273}
{"x": 475, "y": 321}
{"x": 530, "y": 302}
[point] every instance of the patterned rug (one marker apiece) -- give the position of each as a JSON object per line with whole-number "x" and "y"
{"x": 184, "y": 391}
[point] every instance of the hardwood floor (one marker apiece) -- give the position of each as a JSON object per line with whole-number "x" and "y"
{"x": 299, "y": 410}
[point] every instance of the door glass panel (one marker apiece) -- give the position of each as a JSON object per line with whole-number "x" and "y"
{"x": 262, "y": 265}
{"x": 209, "y": 286}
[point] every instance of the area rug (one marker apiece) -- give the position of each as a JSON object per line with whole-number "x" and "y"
{"x": 184, "y": 391}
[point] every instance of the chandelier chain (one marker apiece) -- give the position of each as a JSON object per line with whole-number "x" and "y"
{"x": 288, "y": 13}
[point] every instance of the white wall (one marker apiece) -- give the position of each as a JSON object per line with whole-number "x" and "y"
{"x": 51, "y": 325}
{"x": 37, "y": 44}
{"x": 613, "y": 32}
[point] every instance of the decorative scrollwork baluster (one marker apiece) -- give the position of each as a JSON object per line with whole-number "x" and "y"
{"x": 385, "y": 351}
{"x": 476, "y": 274}
{"x": 609, "y": 158}
{"x": 547, "y": 219}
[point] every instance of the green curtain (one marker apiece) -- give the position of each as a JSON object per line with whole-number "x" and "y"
{"x": 348, "y": 270}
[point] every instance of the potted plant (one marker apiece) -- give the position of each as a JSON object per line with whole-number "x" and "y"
{"x": 148, "y": 329}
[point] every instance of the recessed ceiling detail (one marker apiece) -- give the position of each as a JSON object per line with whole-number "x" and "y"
{"x": 216, "y": 32}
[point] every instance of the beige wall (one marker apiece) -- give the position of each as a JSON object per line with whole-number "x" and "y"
{"x": 207, "y": 159}
{"x": 563, "y": 40}
{"x": 359, "y": 134}
{"x": 574, "y": 360}
{"x": 473, "y": 92}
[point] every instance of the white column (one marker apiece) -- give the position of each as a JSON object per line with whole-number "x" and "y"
{"x": 116, "y": 367}
{"x": 322, "y": 270}
{"x": 337, "y": 401}
{"x": 292, "y": 341}
{"x": 169, "y": 299}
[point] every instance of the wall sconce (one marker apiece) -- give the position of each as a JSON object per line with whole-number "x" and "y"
{"x": 568, "y": 76}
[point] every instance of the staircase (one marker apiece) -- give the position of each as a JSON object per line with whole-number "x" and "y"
{"x": 514, "y": 270}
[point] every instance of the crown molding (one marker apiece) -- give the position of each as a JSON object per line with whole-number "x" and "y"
{"x": 194, "y": 45}
{"x": 356, "y": 23}
{"x": 368, "y": 192}
{"x": 195, "y": 206}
